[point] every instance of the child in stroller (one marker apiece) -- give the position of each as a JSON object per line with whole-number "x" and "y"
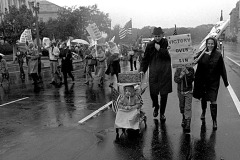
{"x": 128, "y": 110}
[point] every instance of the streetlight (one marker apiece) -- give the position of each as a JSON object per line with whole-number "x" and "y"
{"x": 35, "y": 9}
{"x": 150, "y": 32}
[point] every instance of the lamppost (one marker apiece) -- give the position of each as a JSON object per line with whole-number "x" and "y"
{"x": 35, "y": 8}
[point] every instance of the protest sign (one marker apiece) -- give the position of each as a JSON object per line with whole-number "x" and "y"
{"x": 181, "y": 50}
{"x": 94, "y": 31}
{"x": 46, "y": 42}
{"x": 26, "y": 36}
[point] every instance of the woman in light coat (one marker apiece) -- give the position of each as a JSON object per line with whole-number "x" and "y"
{"x": 33, "y": 63}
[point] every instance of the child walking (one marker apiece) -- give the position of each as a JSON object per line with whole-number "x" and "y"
{"x": 184, "y": 78}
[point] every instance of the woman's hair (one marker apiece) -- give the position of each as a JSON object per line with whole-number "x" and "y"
{"x": 214, "y": 41}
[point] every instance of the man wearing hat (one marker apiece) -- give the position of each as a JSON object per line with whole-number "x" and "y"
{"x": 158, "y": 60}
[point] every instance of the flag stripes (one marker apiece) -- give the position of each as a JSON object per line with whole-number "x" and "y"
{"x": 127, "y": 29}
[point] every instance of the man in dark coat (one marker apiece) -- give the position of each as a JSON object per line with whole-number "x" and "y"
{"x": 158, "y": 60}
{"x": 67, "y": 68}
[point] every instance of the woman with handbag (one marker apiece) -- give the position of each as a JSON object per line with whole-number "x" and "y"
{"x": 33, "y": 56}
{"x": 90, "y": 62}
{"x": 101, "y": 65}
{"x": 113, "y": 62}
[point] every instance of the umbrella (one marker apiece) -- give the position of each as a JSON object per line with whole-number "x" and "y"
{"x": 81, "y": 41}
{"x": 1, "y": 54}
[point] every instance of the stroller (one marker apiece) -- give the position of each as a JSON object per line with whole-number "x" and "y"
{"x": 133, "y": 118}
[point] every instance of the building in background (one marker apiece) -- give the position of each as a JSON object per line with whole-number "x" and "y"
{"x": 4, "y": 4}
{"x": 233, "y": 31}
{"x": 47, "y": 9}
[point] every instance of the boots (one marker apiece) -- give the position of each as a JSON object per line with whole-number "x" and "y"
{"x": 213, "y": 108}
{"x": 204, "y": 107}
{"x": 187, "y": 125}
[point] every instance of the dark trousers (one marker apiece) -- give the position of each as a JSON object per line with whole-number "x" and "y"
{"x": 133, "y": 63}
{"x": 69, "y": 73}
{"x": 35, "y": 78}
{"x": 163, "y": 102}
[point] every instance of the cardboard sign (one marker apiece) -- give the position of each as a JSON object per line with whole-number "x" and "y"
{"x": 26, "y": 36}
{"x": 46, "y": 42}
{"x": 181, "y": 50}
{"x": 94, "y": 31}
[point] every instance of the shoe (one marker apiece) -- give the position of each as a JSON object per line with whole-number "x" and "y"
{"x": 155, "y": 112}
{"x": 214, "y": 125}
{"x": 162, "y": 118}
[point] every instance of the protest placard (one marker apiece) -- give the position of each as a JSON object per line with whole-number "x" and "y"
{"x": 94, "y": 31}
{"x": 181, "y": 50}
{"x": 46, "y": 42}
{"x": 26, "y": 36}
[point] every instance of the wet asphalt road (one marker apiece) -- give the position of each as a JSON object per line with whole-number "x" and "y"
{"x": 44, "y": 126}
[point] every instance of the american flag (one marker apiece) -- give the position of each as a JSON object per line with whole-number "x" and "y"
{"x": 175, "y": 30}
{"x": 127, "y": 29}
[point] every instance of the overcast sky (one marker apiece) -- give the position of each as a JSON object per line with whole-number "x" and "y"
{"x": 163, "y": 13}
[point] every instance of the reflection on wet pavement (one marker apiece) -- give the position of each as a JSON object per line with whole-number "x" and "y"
{"x": 160, "y": 145}
{"x": 204, "y": 148}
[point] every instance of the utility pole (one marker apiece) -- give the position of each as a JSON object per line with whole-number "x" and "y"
{"x": 35, "y": 8}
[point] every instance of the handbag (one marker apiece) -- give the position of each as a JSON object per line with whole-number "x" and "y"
{"x": 92, "y": 62}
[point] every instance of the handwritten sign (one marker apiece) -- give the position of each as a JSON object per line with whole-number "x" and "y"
{"x": 94, "y": 31}
{"x": 181, "y": 50}
{"x": 26, "y": 36}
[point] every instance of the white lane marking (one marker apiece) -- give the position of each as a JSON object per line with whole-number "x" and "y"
{"x": 13, "y": 101}
{"x": 95, "y": 112}
{"x": 233, "y": 61}
{"x": 234, "y": 97}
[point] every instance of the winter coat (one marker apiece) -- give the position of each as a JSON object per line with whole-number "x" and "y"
{"x": 33, "y": 61}
{"x": 66, "y": 56}
{"x": 207, "y": 77}
{"x": 185, "y": 82}
{"x": 159, "y": 64}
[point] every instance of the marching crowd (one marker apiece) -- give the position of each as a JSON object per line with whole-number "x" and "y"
{"x": 102, "y": 59}
{"x": 105, "y": 59}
